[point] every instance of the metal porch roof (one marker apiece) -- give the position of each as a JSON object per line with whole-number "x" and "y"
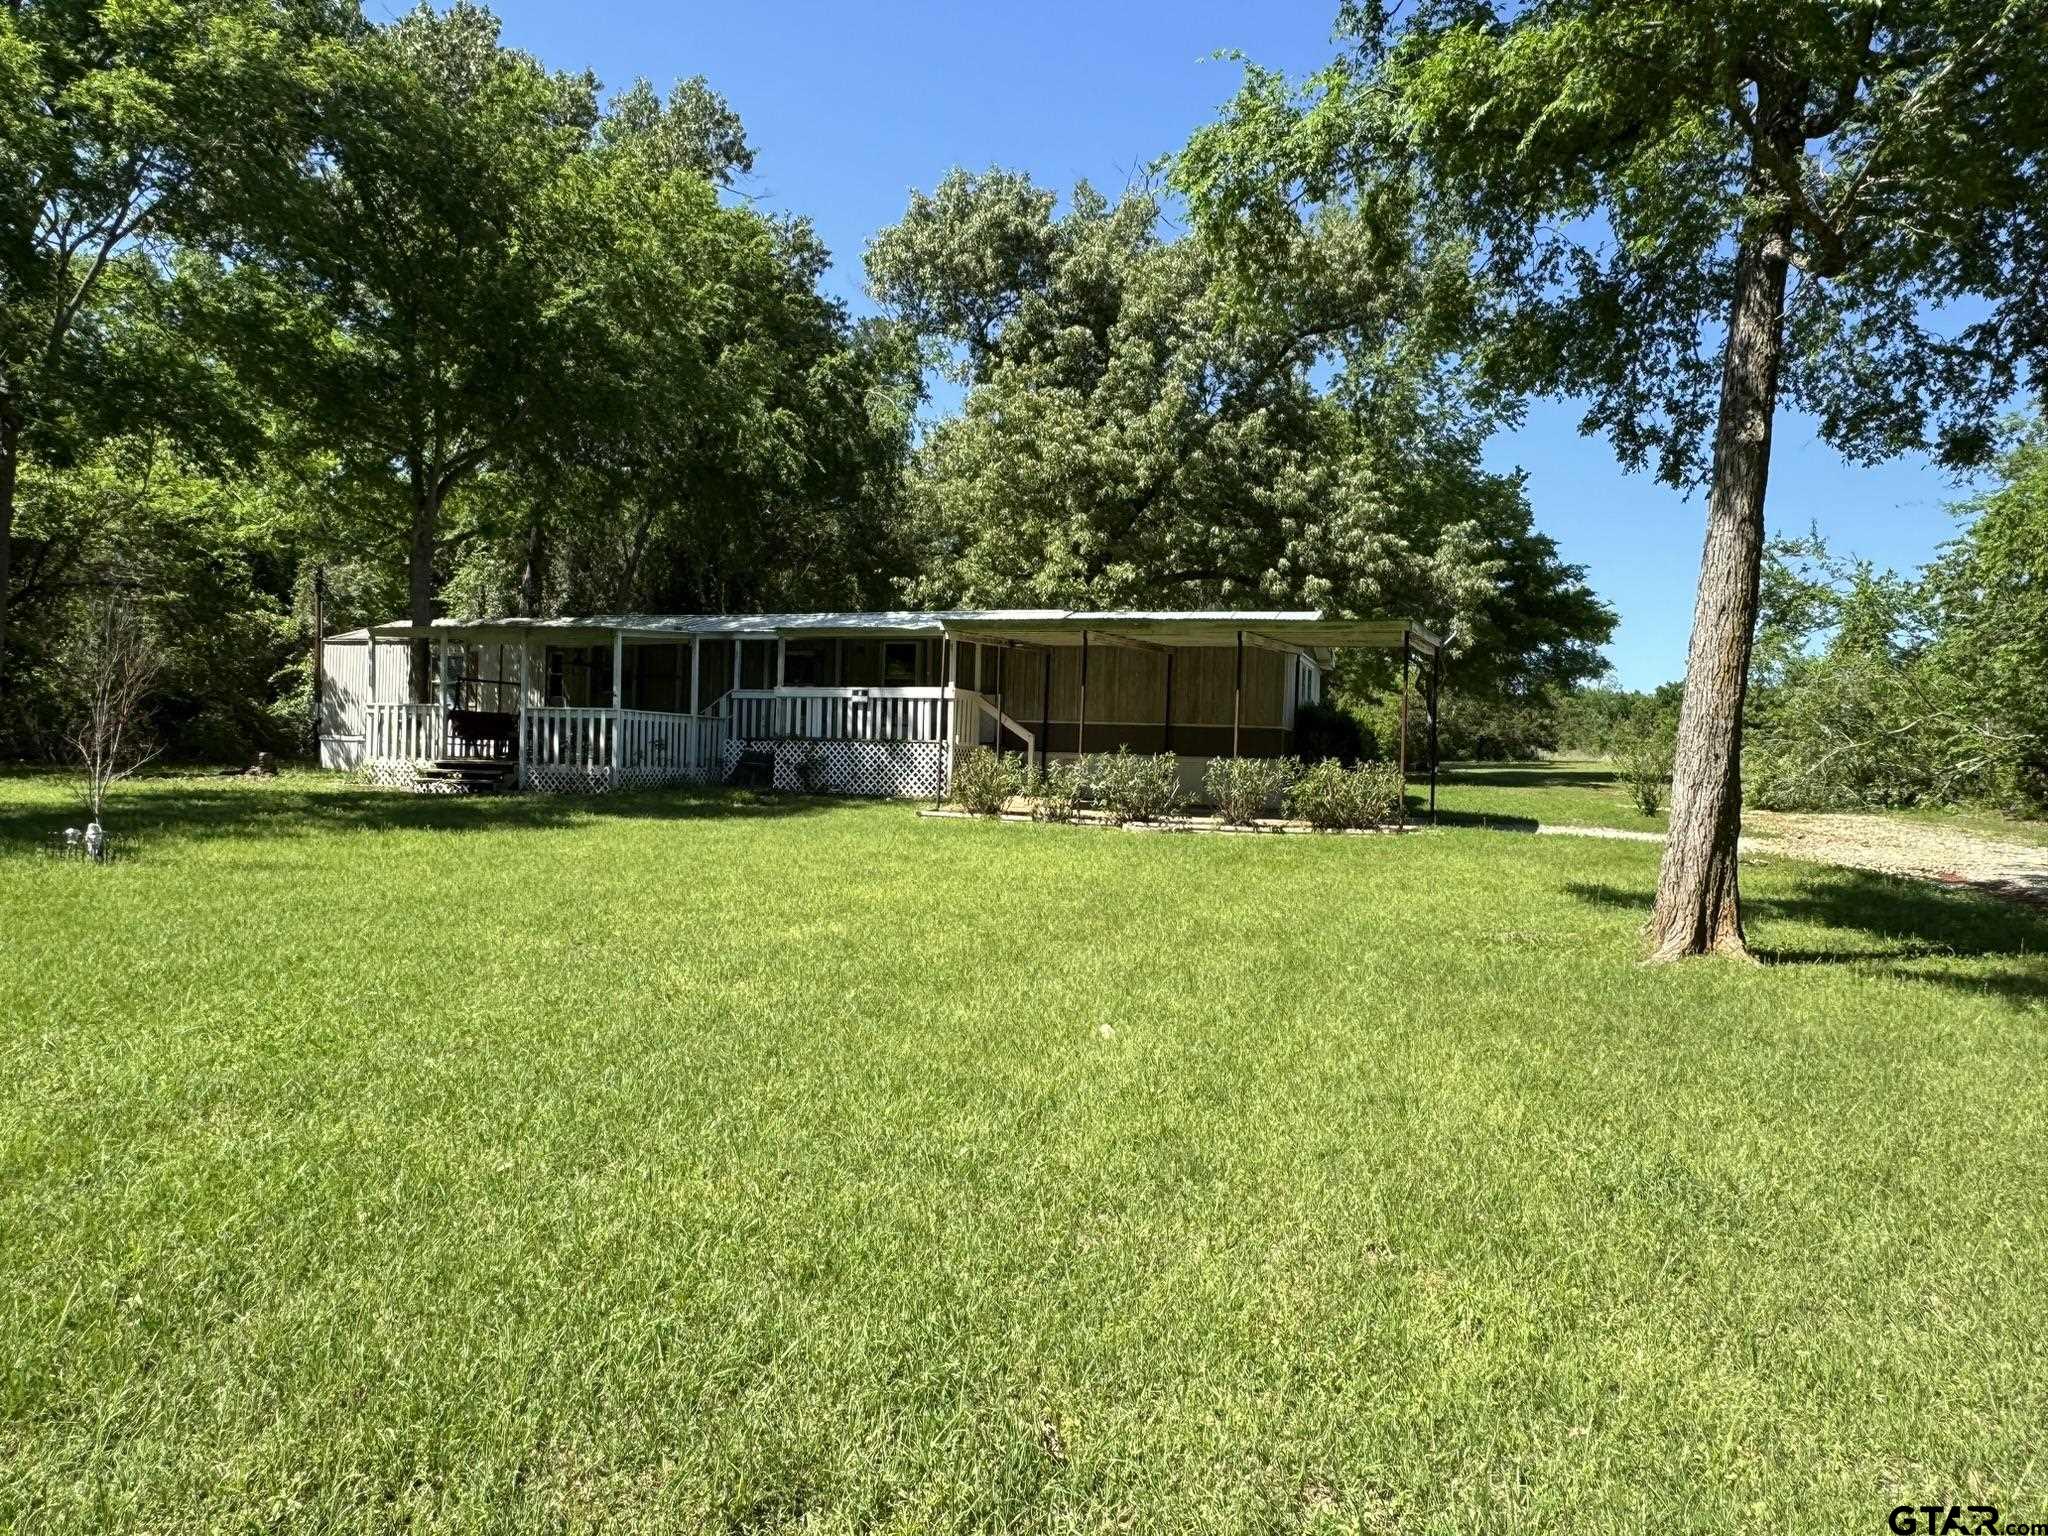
{"x": 1043, "y": 626}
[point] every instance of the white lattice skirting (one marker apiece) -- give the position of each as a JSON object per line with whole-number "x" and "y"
{"x": 902, "y": 770}
{"x": 390, "y": 773}
{"x": 637, "y": 778}
{"x": 568, "y": 779}
{"x": 565, "y": 779}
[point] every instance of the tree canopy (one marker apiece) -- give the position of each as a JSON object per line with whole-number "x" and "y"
{"x": 1132, "y": 436}
{"x": 126, "y": 130}
{"x": 1680, "y": 215}
{"x": 469, "y": 335}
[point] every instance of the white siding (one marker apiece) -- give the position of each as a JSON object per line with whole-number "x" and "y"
{"x": 344, "y": 682}
{"x": 345, "y": 689}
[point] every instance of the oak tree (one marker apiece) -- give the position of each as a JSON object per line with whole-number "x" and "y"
{"x": 1685, "y": 215}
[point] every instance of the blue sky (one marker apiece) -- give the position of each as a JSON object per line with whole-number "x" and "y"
{"x": 849, "y": 107}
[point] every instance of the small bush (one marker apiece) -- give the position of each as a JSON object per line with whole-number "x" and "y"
{"x": 1333, "y": 798}
{"x": 1241, "y": 788}
{"x": 1131, "y": 786}
{"x": 1323, "y": 730}
{"x": 1322, "y": 795}
{"x": 1058, "y": 790}
{"x": 1643, "y": 756}
{"x": 1377, "y": 793}
{"x": 984, "y": 782}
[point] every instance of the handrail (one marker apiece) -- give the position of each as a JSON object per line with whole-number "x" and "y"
{"x": 878, "y": 691}
{"x": 1005, "y": 723}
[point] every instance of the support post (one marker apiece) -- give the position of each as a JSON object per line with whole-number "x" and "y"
{"x": 1045, "y": 710}
{"x": 781, "y": 660}
{"x": 1166, "y": 723}
{"x": 1237, "y": 695}
{"x": 1436, "y": 692}
{"x": 441, "y": 695}
{"x": 1404, "y": 730}
{"x": 370, "y": 719}
{"x": 696, "y": 727}
{"x": 1002, "y": 655}
{"x": 319, "y": 650}
{"x": 1081, "y": 729}
{"x": 618, "y": 701}
{"x": 524, "y": 778}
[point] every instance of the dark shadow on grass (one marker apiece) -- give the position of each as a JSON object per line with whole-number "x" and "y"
{"x": 1491, "y": 821}
{"x": 201, "y": 808}
{"x": 1909, "y": 920}
{"x": 1533, "y": 776}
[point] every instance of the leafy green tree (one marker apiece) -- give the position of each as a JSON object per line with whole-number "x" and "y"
{"x": 125, "y": 126}
{"x": 1989, "y": 596}
{"x": 1594, "y": 721}
{"x": 1132, "y": 436}
{"x": 405, "y": 301}
{"x": 1630, "y": 191}
{"x": 204, "y": 559}
{"x": 1870, "y": 689}
{"x": 725, "y": 437}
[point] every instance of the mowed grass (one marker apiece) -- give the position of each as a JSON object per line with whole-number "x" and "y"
{"x": 681, "y": 1162}
{"x": 1563, "y": 792}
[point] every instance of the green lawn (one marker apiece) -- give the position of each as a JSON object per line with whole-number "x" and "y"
{"x": 1517, "y": 796}
{"x": 679, "y": 1162}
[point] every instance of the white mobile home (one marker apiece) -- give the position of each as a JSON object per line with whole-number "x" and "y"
{"x": 861, "y": 703}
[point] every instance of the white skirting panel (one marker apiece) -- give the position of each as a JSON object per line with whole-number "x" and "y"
{"x": 340, "y": 751}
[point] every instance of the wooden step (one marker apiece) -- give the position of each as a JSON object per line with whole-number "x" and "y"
{"x": 463, "y": 775}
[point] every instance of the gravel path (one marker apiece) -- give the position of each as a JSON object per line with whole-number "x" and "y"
{"x": 2015, "y": 871}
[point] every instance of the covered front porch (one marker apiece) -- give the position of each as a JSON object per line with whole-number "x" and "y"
{"x": 595, "y": 704}
{"x": 881, "y": 703}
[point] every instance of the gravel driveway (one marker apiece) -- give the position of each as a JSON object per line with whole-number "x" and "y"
{"x": 2016, "y": 871}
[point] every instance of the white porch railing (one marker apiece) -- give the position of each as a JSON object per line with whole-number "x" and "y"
{"x": 638, "y": 746}
{"x": 568, "y": 738}
{"x": 402, "y": 732}
{"x": 684, "y": 745}
{"x": 839, "y": 714}
{"x": 642, "y": 742}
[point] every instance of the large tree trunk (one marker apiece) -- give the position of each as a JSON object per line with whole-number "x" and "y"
{"x": 532, "y": 579}
{"x": 419, "y": 571}
{"x": 1698, "y": 907}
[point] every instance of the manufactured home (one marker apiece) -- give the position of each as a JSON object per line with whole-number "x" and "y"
{"x": 859, "y": 703}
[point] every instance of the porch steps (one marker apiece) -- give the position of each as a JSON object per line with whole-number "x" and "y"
{"x": 463, "y": 776}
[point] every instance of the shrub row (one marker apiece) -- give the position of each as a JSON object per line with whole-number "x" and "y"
{"x": 1127, "y": 785}
{"x": 1130, "y": 786}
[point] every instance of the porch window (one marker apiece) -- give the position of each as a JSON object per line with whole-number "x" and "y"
{"x": 757, "y": 663}
{"x": 807, "y": 664}
{"x": 899, "y": 664}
